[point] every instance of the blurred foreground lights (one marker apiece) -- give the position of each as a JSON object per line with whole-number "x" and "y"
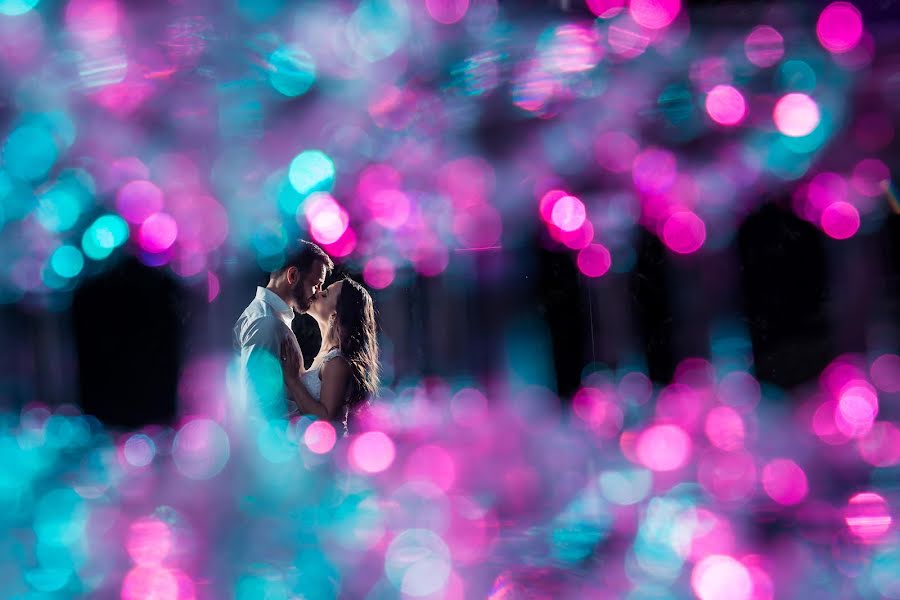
{"x": 327, "y": 219}
{"x": 606, "y": 9}
{"x": 292, "y": 71}
{"x": 626, "y": 487}
{"x": 764, "y": 46}
{"x": 418, "y": 563}
{"x": 784, "y": 481}
{"x": 796, "y": 115}
{"x": 867, "y": 516}
{"x": 311, "y": 171}
{"x": 840, "y": 220}
{"x": 725, "y": 105}
{"x": 67, "y": 261}
{"x": 684, "y": 232}
{"x": 157, "y": 233}
{"x": 379, "y": 272}
{"x": 139, "y": 450}
{"x": 200, "y": 449}
{"x": 857, "y": 408}
{"x": 568, "y": 213}
{"x": 839, "y": 27}
{"x": 721, "y": 577}
{"x": 663, "y": 447}
{"x": 372, "y": 452}
{"x": 158, "y": 583}
{"x": 15, "y": 8}
{"x": 594, "y": 260}
{"x": 103, "y": 236}
{"x": 320, "y": 437}
{"x": 654, "y": 14}
{"x": 149, "y": 541}
{"x": 139, "y": 199}
{"x": 447, "y": 12}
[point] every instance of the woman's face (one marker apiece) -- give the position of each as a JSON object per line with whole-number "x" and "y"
{"x": 325, "y": 303}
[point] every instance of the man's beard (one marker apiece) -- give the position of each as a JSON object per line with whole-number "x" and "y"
{"x": 301, "y": 304}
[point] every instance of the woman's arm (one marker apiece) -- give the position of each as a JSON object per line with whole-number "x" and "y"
{"x": 336, "y": 378}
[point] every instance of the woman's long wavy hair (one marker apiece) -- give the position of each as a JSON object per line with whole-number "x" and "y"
{"x": 354, "y": 332}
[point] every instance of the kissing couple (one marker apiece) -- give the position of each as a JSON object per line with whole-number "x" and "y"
{"x": 344, "y": 375}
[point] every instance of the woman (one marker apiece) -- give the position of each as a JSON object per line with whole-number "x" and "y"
{"x": 344, "y": 375}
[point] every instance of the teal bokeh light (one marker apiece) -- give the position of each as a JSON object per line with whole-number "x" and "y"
{"x": 29, "y": 152}
{"x": 796, "y": 76}
{"x": 378, "y": 28}
{"x": 103, "y": 236}
{"x": 14, "y": 8}
{"x": 259, "y": 10}
{"x": 60, "y": 517}
{"x": 292, "y": 71}
{"x": 67, "y": 261}
{"x": 311, "y": 171}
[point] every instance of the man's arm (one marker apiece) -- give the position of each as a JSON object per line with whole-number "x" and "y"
{"x": 292, "y": 363}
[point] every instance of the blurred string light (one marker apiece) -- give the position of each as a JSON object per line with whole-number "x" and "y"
{"x": 331, "y": 103}
{"x": 665, "y": 485}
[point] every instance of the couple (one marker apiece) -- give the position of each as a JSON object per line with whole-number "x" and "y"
{"x": 344, "y": 374}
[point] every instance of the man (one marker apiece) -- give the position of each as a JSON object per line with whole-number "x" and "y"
{"x": 266, "y": 323}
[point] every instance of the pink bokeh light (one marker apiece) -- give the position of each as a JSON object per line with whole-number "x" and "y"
{"x": 389, "y": 208}
{"x": 143, "y": 583}
{"x": 599, "y": 411}
{"x": 663, "y": 447}
{"x": 684, "y": 232}
{"x": 447, "y": 12}
{"x": 149, "y": 541}
{"x": 796, "y": 115}
{"x": 606, "y": 9}
{"x": 824, "y": 424}
{"x": 880, "y": 447}
{"x": 784, "y": 481}
{"x": 594, "y": 260}
{"x": 724, "y": 428}
{"x": 92, "y": 21}
{"x": 839, "y": 27}
{"x": 320, "y": 437}
{"x": 344, "y": 245}
{"x": 137, "y": 200}
{"x": 727, "y": 476}
{"x": 869, "y": 177}
{"x": 577, "y": 239}
{"x": 867, "y": 516}
{"x": 433, "y": 464}
{"x": 615, "y": 151}
{"x": 372, "y": 452}
{"x": 856, "y": 409}
{"x": 726, "y": 105}
{"x": 379, "y": 272}
{"x": 568, "y": 213}
{"x": 840, "y": 220}
{"x": 478, "y": 227}
{"x": 327, "y": 219}
{"x": 721, "y": 577}
{"x": 654, "y": 14}
{"x": 885, "y": 373}
{"x": 764, "y": 46}
{"x": 157, "y": 233}
{"x": 654, "y": 170}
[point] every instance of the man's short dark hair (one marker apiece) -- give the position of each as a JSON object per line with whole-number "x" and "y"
{"x": 305, "y": 256}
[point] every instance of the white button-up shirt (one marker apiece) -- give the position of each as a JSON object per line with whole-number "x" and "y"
{"x": 258, "y": 334}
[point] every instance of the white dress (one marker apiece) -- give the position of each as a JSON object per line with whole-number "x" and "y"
{"x": 312, "y": 380}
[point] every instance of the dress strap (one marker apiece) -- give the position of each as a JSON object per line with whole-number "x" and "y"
{"x": 332, "y": 354}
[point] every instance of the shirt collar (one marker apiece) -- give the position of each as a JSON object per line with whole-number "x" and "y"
{"x": 272, "y": 299}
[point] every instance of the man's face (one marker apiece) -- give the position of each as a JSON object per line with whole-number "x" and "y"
{"x": 307, "y": 286}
